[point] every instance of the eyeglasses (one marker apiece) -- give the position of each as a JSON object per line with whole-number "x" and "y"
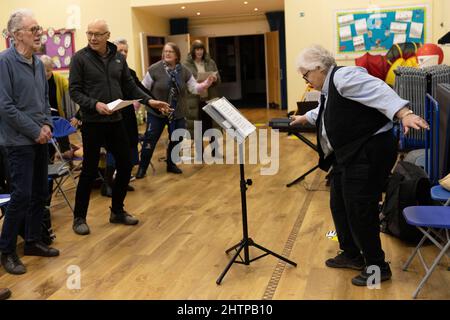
{"x": 305, "y": 76}
{"x": 95, "y": 34}
{"x": 34, "y": 29}
{"x": 169, "y": 51}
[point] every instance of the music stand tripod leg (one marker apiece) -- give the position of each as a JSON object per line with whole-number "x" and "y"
{"x": 239, "y": 248}
{"x": 272, "y": 253}
{"x": 303, "y": 176}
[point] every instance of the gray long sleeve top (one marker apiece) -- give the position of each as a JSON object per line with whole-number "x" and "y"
{"x": 24, "y": 106}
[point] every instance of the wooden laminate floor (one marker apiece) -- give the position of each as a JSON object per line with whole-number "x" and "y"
{"x": 187, "y": 222}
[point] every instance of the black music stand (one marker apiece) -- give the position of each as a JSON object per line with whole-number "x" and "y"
{"x": 246, "y": 241}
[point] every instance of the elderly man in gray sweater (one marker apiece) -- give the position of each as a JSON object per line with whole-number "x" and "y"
{"x": 25, "y": 129}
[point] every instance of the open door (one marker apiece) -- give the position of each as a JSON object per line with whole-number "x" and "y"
{"x": 144, "y": 52}
{"x": 273, "y": 70}
{"x": 183, "y": 42}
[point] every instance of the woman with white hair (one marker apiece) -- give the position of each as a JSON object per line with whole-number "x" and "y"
{"x": 354, "y": 122}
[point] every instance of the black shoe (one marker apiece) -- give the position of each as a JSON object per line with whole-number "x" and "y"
{"x": 342, "y": 261}
{"x": 12, "y": 263}
{"x": 80, "y": 226}
{"x": 122, "y": 217}
{"x": 106, "y": 190}
{"x": 5, "y": 293}
{"x": 40, "y": 250}
{"x": 370, "y": 279}
{"x": 141, "y": 173}
{"x": 130, "y": 188}
{"x": 173, "y": 168}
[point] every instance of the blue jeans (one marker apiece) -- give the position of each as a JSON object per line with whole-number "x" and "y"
{"x": 155, "y": 127}
{"x": 28, "y": 169}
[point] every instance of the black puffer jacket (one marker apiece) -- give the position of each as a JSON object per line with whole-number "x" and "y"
{"x": 91, "y": 81}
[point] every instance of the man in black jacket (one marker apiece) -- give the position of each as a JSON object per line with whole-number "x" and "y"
{"x": 99, "y": 75}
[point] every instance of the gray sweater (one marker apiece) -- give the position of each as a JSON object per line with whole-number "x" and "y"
{"x": 160, "y": 88}
{"x": 24, "y": 106}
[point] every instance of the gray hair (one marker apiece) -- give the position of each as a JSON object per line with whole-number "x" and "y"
{"x": 47, "y": 61}
{"x": 121, "y": 41}
{"x": 315, "y": 57}
{"x": 15, "y": 22}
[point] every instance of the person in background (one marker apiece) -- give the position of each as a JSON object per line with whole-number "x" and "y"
{"x": 25, "y": 129}
{"x": 100, "y": 75}
{"x": 167, "y": 80}
{"x": 199, "y": 61}
{"x": 354, "y": 122}
{"x": 60, "y": 102}
{"x": 130, "y": 122}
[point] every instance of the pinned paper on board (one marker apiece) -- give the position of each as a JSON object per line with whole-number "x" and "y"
{"x": 359, "y": 43}
{"x": 405, "y": 16}
{"x": 416, "y": 30}
{"x": 398, "y": 27}
{"x": 346, "y": 19}
{"x": 361, "y": 26}
{"x": 345, "y": 33}
{"x": 399, "y": 38}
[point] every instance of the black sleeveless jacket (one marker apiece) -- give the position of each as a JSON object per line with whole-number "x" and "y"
{"x": 349, "y": 124}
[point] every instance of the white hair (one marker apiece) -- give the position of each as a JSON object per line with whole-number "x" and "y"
{"x": 121, "y": 41}
{"x": 47, "y": 61}
{"x": 15, "y": 22}
{"x": 315, "y": 57}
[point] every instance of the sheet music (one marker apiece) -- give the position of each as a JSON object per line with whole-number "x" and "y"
{"x": 230, "y": 113}
{"x": 119, "y": 104}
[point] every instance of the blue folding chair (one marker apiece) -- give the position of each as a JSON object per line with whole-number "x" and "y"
{"x": 60, "y": 171}
{"x": 438, "y": 193}
{"x": 429, "y": 219}
{"x": 61, "y": 128}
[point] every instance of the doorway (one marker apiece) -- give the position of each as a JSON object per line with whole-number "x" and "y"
{"x": 241, "y": 62}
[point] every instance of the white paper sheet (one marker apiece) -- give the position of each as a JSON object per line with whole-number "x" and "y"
{"x": 405, "y": 16}
{"x": 361, "y": 26}
{"x": 232, "y": 118}
{"x": 416, "y": 30}
{"x": 345, "y": 33}
{"x": 347, "y": 19}
{"x": 359, "y": 43}
{"x": 398, "y": 27}
{"x": 4, "y": 200}
{"x": 119, "y": 104}
{"x": 399, "y": 38}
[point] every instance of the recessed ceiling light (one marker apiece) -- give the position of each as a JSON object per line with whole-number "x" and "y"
{"x": 183, "y": 7}
{"x": 198, "y": 13}
{"x": 245, "y": 2}
{"x": 256, "y": 9}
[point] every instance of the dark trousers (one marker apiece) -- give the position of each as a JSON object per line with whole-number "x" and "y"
{"x": 356, "y": 189}
{"x": 28, "y": 170}
{"x": 155, "y": 127}
{"x": 113, "y": 137}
